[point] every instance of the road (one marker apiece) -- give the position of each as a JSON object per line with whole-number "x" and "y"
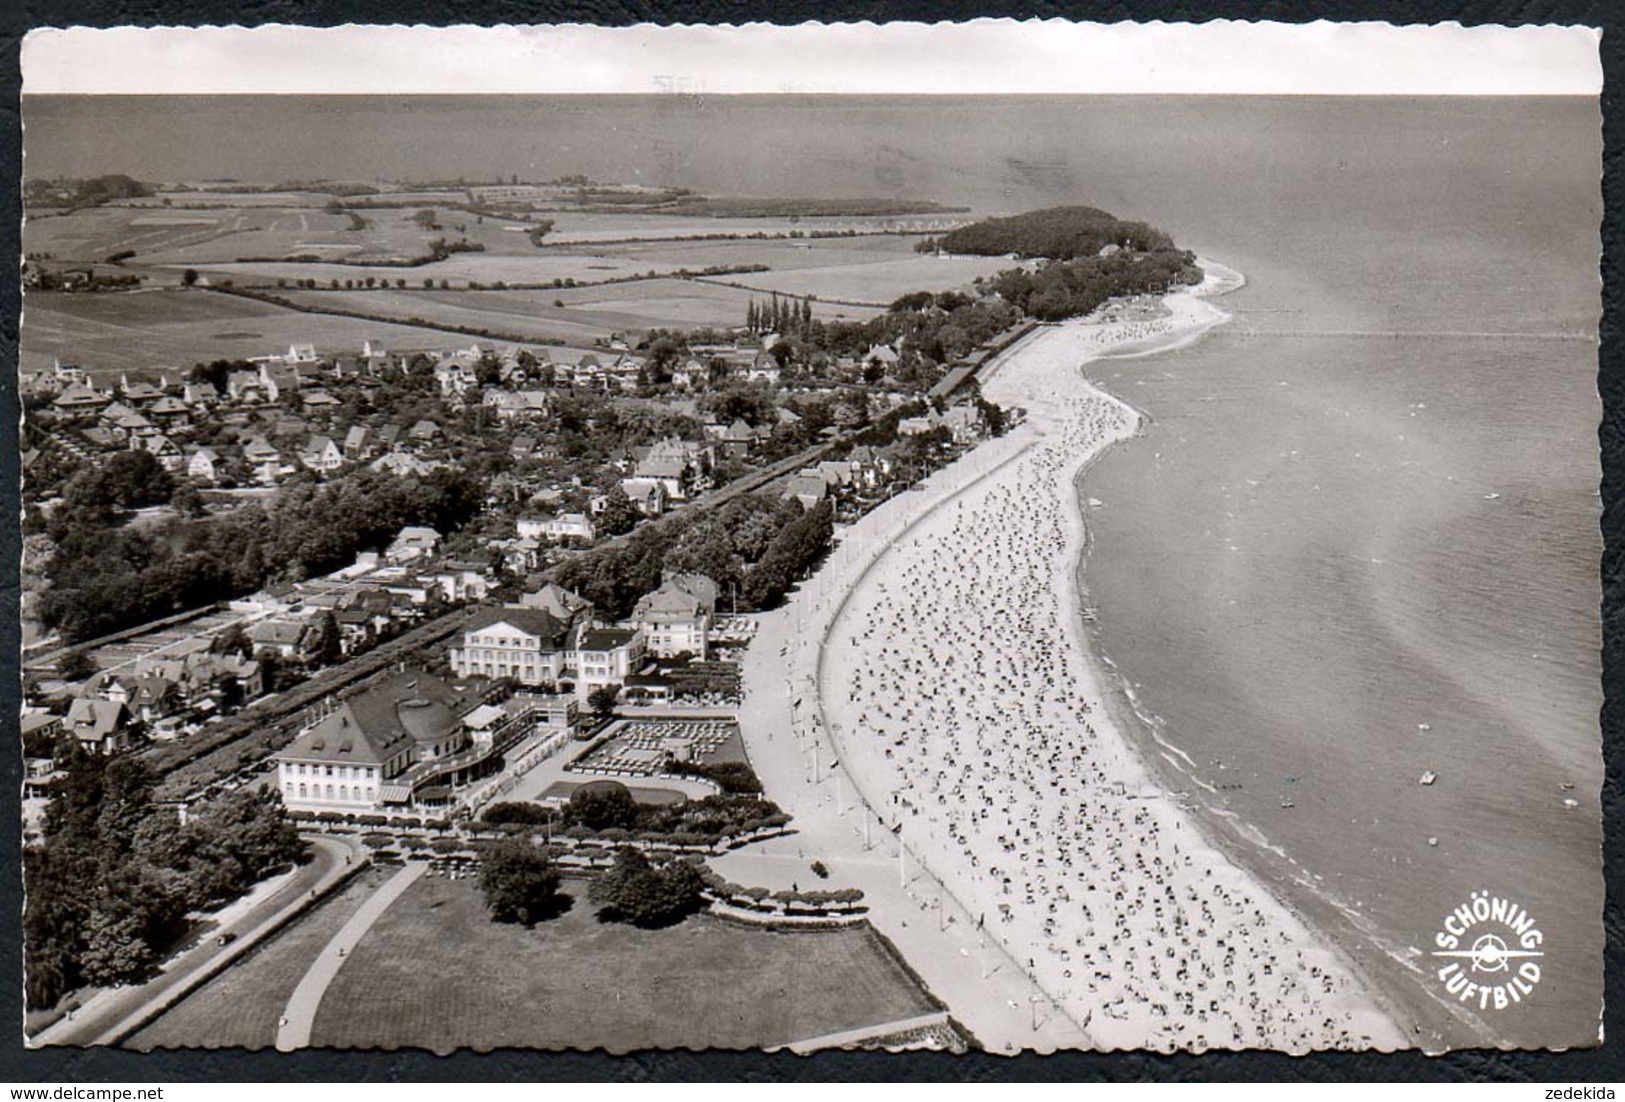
{"x": 115, "y": 1013}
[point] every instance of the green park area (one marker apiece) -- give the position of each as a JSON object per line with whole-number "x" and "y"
{"x": 436, "y": 972}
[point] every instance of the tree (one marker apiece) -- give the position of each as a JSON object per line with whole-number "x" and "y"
{"x": 635, "y": 892}
{"x": 620, "y": 515}
{"x": 600, "y": 806}
{"x": 76, "y": 665}
{"x": 330, "y": 644}
{"x": 523, "y": 814}
{"x": 602, "y": 699}
{"x": 488, "y": 371}
{"x": 519, "y": 882}
{"x": 189, "y": 277}
{"x": 426, "y": 220}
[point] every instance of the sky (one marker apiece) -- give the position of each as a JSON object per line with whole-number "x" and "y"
{"x": 978, "y": 57}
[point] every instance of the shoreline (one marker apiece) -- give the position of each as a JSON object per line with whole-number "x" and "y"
{"x": 1352, "y": 1007}
{"x": 1348, "y": 933}
{"x": 1221, "y": 830}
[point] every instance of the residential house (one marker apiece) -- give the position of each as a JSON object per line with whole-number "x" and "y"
{"x": 321, "y": 454}
{"x": 517, "y": 405}
{"x": 402, "y": 465}
{"x": 676, "y": 618}
{"x": 151, "y": 699}
{"x": 78, "y": 399}
{"x": 739, "y": 439}
{"x": 247, "y": 388}
{"x": 965, "y": 422}
{"x": 519, "y": 556}
{"x": 836, "y": 473}
{"x": 166, "y": 450}
{"x": 678, "y": 464}
{"x": 101, "y": 726}
{"x": 199, "y": 396}
{"x": 569, "y": 608}
{"x": 412, "y": 542}
{"x": 461, "y": 582}
{"x": 279, "y": 379}
{"x": 425, "y": 432}
{"x": 357, "y": 443}
{"x": 294, "y": 640}
{"x": 138, "y": 393}
{"x": 808, "y": 487}
{"x": 648, "y": 495}
{"x": 605, "y": 656}
{"x": 169, "y": 412}
{"x": 764, "y": 368}
{"x": 577, "y": 527}
{"x": 882, "y": 355}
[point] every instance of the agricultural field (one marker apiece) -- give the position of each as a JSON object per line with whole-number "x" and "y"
{"x": 819, "y": 252}
{"x": 160, "y": 236}
{"x": 435, "y": 972}
{"x": 586, "y": 313}
{"x": 144, "y": 331}
{"x": 202, "y": 197}
{"x": 877, "y": 284}
{"x": 584, "y": 263}
{"x": 571, "y": 226}
{"x": 459, "y": 269}
{"x": 240, "y": 1007}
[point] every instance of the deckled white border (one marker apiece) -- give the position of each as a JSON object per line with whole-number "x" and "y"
{"x": 978, "y": 57}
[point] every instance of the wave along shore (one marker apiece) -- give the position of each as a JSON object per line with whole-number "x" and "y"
{"x": 954, "y": 685}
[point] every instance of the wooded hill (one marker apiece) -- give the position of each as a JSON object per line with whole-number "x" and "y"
{"x": 1059, "y": 233}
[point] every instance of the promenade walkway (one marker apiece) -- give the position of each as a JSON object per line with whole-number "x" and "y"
{"x": 857, "y": 1036}
{"x": 842, "y": 822}
{"x": 294, "y": 1029}
{"x": 118, "y": 1012}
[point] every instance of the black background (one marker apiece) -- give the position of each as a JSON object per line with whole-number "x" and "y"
{"x": 76, "y": 1066}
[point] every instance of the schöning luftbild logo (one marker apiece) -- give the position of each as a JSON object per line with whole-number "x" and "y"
{"x": 1489, "y": 951}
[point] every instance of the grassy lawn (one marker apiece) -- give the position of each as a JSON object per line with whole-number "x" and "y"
{"x": 657, "y": 797}
{"x": 241, "y": 1006}
{"x": 436, "y": 972}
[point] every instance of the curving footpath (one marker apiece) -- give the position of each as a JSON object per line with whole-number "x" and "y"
{"x": 117, "y": 1013}
{"x": 294, "y": 1029}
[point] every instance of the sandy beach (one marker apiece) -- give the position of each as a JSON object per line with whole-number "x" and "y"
{"x": 945, "y": 639}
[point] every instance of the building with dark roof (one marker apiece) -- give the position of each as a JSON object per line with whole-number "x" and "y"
{"x": 527, "y": 644}
{"x": 383, "y": 746}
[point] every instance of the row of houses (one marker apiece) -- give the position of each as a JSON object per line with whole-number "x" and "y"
{"x": 864, "y": 472}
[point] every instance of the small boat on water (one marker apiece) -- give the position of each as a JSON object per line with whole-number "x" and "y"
{"x": 1429, "y": 777}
